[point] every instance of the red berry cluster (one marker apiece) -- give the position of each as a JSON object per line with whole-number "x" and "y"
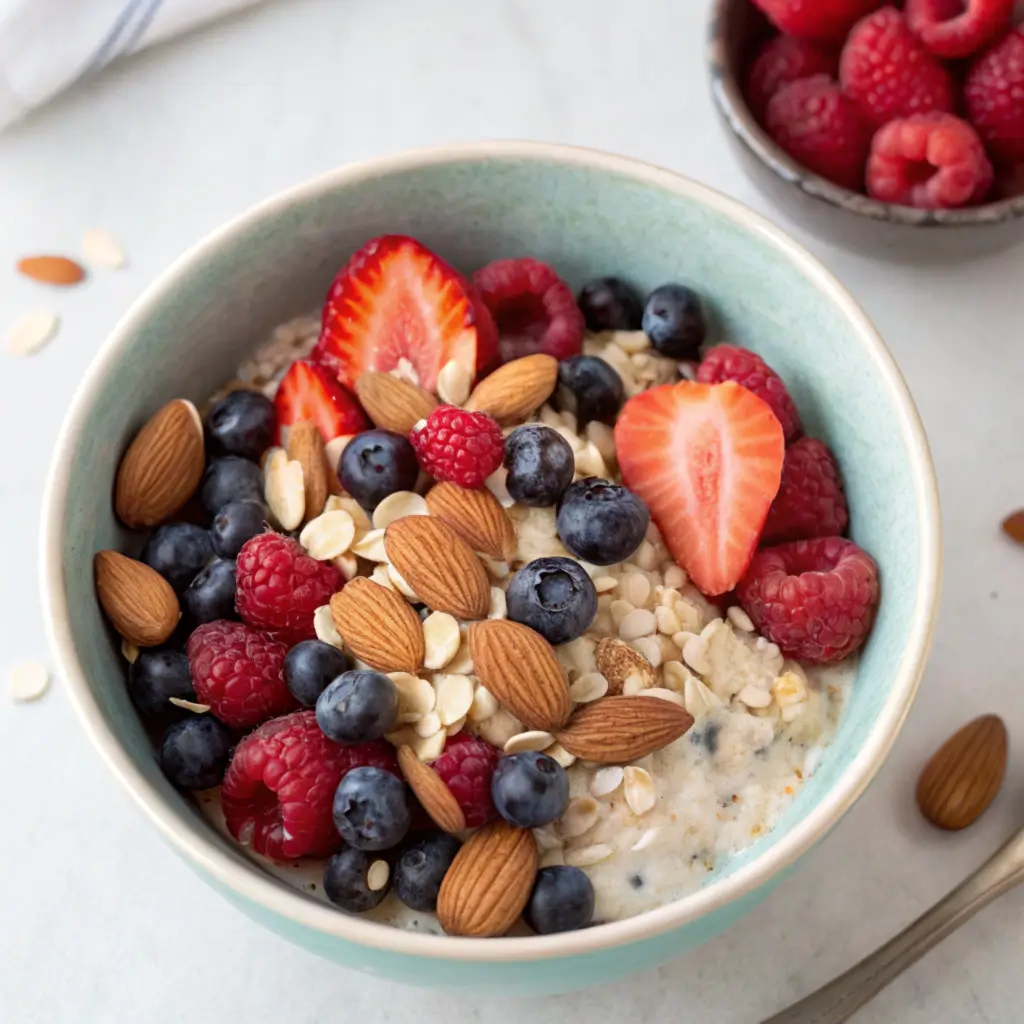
{"x": 920, "y": 105}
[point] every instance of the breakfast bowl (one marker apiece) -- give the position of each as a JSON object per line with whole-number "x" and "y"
{"x": 587, "y": 214}
{"x": 837, "y": 215}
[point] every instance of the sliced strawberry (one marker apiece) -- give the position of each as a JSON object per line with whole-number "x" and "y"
{"x": 707, "y": 459}
{"x": 396, "y": 300}
{"x": 310, "y": 392}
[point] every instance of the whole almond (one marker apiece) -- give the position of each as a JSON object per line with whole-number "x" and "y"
{"x": 489, "y": 882}
{"x": 522, "y": 670}
{"x": 431, "y": 791}
{"x": 476, "y": 516}
{"x": 392, "y": 403}
{"x": 516, "y": 390}
{"x": 306, "y": 446}
{"x": 1013, "y": 526}
{"x": 617, "y": 730}
{"x": 439, "y": 566}
{"x": 617, "y": 661}
{"x": 964, "y": 774}
{"x": 57, "y": 270}
{"x": 162, "y": 467}
{"x": 139, "y": 602}
{"x": 378, "y": 626}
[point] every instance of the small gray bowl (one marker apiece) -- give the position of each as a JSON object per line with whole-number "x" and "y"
{"x": 836, "y": 214}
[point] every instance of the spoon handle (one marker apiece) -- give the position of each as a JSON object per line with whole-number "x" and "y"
{"x": 842, "y": 998}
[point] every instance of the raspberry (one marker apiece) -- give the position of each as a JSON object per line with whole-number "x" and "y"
{"x": 730, "y": 362}
{"x": 885, "y": 68}
{"x": 816, "y": 599}
{"x": 821, "y": 128}
{"x": 931, "y": 161}
{"x": 466, "y": 766}
{"x": 279, "y": 787}
{"x": 783, "y": 60}
{"x": 535, "y": 310}
{"x": 957, "y": 28}
{"x": 825, "y": 21}
{"x": 239, "y": 672}
{"x": 278, "y": 586}
{"x": 462, "y": 447}
{"x": 810, "y": 502}
{"x": 994, "y": 96}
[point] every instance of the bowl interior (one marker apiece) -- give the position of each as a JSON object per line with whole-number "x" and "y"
{"x": 587, "y": 216}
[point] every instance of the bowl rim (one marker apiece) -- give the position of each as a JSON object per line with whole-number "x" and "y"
{"x": 727, "y": 95}
{"x": 196, "y": 841}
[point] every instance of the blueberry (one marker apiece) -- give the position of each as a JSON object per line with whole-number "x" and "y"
{"x": 600, "y": 522}
{"x": 610, "y": 304}
{"x": 242, "y": 423}
{"x": 420, "y": 869}
{"x": 235, "y": 523}
{"x": 540, "y": 465}
{"x": 309, "y": 666}
{"x": 530, "y": 790}
{"x": 357, "y": 707}
{"x": 562, "y": 901}
{"x": 230, "y": 479}
{"x": 154, "y": 678}
{"x": 553, "y": 596}
{"x": 674, "y": 321}
{"x": 371, "y": 811}
{"x": 590, "y": 389}
{"x": 178, "y": 551}
{"x": 346, "y": 883}
{"x": 375, "y": 464}
{"x": 195, "y": 752}
{"x": 212, "y": 593}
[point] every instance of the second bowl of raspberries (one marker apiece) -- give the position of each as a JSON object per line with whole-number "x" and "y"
{"x": 891, "y": 128}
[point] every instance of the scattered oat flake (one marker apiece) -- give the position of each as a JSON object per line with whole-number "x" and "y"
{"x": 189, "y": 705}
{"x": 639, "y": 789}
{"x": 580, "y": 817}
{"x": 377, "y": 876}
{"x": 56, "y": 270}
{"x": 524, "y": 741}
{"x": 588, "y": 855}
{"x": 645, "y": 840}
{"x": 27, "y": 681}
{"x": 129, "y": 651}
{"x": 100, "y": 248}
{"x": 606, "y": 780}
{"x": 31, "y": 331}
{"x": 1013, "y": 526}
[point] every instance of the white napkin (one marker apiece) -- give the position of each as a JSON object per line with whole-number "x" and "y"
{"x": 47, "y": 46}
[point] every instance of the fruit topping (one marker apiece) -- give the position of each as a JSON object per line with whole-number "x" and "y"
{"x": 467, "y": 767}
{"x": 994, "y": 96}
{"x": 540, "y": 464}
{"x": 178, "y": 551}
{"x": 674, "y": 321}
{"x": 235, "y": 523}
{"x": 358, "y": 706}
{"x": 553, "y": 596}
{"x": 707, "y": 459}
{"x": 462, "y": 447}
{"x": 375, "y": 464}
{"x": 601, "y": 522}
{"x": 590, "y": 389}
{"x": 958, "y": 28}
{"x": 810, "y": 502}
{"x": 783, "y": 60}
{"x": 241, "y": 423}
{"x": 826, "y": 21}
{"x": 211, "y": 595}
{"x": 530, "y": 789}
{"x": 309, "y": 392}
{"x": 562, "y": 901}
{"x": 349, "y": 880}
{"x": 310, "y": 667}
{"x": 156, "y": 677}
{"x": 230, "y": 479}
{"x": 371, "y": 808}
{"x": 422, "y": 863}
{"x": 194, "y": 752}
{"x": 610, "y": 304}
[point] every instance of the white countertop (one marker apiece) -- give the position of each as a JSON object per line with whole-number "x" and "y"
{"x": 101, "y": 922}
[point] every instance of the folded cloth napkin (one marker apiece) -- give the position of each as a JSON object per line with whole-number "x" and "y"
{"x": 46, "y": 46}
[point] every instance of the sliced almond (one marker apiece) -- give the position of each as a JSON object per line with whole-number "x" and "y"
{"x": 378, "y": 626}
{"x": 454, "y": 383}
{"x": 606, "y": 780}
{"x": 399, "y": 582}
{"x": 527, "y": 741}
{"x": 162, "y": 467}
{"x": 615, "y": 730}
{"x": 454, "y": 697}
{"x": 430, "y": 748}
{"x": 353, "y": 508}
{"x": 476, "y": 516}
{"x": 31, "y": 331}
{"x": 392, "y": 403}
{"x": 558, "y": 753}
{"x": 431, "y": 791}
{"x": 485, "y": 705}
{"x": 489, "y": 882}
{"x": 499, "y": 604}
{"x": 102, "y": 250}
{"x": 415, "y": 695}
{"x": 328, "y": 536}
{"x": 441, "y": 638}
{"x": 639, "y": 789}
{"x": 139, "y": 602}
{"x": 323, "y": 626}
{"x": 429, "y": 724}
{"x": 617, "y": 662}
{"x": 398, "y": 506}
{"x": 189, "y": 705}
{"x": 371, "y": 546}
{"x": 580, "y": 817}
{"x": 58, "y": 270}
{"x": 284, "y": 488}
{"x": 306, "y": 447}
{"x": 516, "y": 390}
{"x": 522, "y": 670}
{"x": 590, "y": 686}
{"x": 439, "y": 565}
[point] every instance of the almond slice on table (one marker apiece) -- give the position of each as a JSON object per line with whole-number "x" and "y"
{"x": 476, "y": 516}
{"x": 306, "y": 446}
{"x": 439, "y": 566}
{"x": 516, "y": 390}
{"x": 489, "y": 882}
{"x": 378, "y": 626}
{"x": 162, "y": 467}
{"x": 139, "y": 602}
{"x": 616, "y": 730}
{"x": 522, "y": 670}
{"x": 431, "y": 791}
{"x": 618, "y": 662}
{"x": 392, "y": 403}
{"x": 58, "y": 270}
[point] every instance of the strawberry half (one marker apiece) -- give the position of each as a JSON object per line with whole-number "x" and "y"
{"x": 707, "y": 459}
{"x": 310, "y": 392}
{"x": 396, "y": 300}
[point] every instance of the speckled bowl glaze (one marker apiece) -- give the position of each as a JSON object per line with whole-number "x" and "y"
{"x": 587, "y": 214}
{"x": 833, "y": 213}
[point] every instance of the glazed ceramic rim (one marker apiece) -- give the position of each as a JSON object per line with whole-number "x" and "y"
{"x": 197, "y": 842}
{"x": 732, "y": 106}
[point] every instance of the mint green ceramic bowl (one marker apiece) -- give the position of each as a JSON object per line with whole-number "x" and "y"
{"x": 587, "y": 214}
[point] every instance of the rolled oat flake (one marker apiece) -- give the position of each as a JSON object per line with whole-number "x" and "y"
{"x": 27, "y": 681}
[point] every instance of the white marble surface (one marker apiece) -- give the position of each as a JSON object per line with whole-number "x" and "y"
{"x": 100, "y": 921}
